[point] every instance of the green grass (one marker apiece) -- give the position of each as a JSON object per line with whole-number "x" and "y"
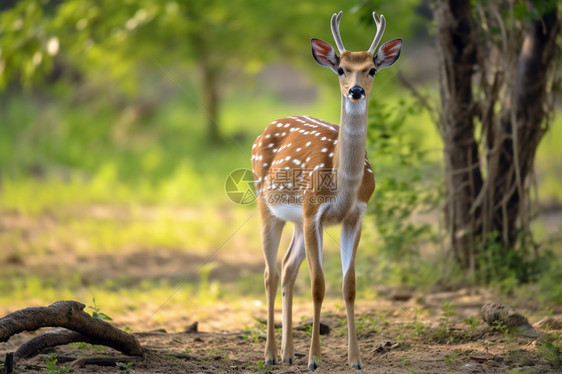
{"x": 90, "y": 179}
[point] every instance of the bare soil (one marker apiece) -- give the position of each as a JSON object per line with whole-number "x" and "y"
{"x": 406, "y": 334}
{"x": 388, "y": 344}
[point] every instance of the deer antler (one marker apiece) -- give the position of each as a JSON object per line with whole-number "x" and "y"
{"x": 335, "y": 24}
{"x": 381, "y": 24}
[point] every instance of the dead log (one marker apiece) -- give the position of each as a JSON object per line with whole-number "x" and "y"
{"x": 516, "y": 322}
{"x": 70, "y": 315}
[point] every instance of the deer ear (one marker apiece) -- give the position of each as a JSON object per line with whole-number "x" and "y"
{"x": 388, "y": 54}
{"x": 324, "y": 54}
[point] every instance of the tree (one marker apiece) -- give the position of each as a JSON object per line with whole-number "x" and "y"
{"x": 109, "y": 44}
{"x": 497, "y": 65}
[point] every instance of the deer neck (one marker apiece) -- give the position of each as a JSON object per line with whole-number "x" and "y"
{"x": 349, "y": 155}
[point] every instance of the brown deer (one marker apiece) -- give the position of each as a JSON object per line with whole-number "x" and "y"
{"x": 314, "y": 173}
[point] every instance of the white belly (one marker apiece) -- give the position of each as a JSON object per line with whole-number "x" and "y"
{"x": 287, "y": 212}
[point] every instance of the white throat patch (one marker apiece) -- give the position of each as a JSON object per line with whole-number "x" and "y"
{"x": 355, "y": 108}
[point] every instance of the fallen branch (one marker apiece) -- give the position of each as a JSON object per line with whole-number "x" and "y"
{"x": 70, "y": 315}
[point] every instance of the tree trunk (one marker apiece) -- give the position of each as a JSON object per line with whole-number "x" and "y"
{"x": 463, "y": 178}
{"x": 521, "y": 130}
{"x": 211, "y": 95}
{"x": 487, "y": 200}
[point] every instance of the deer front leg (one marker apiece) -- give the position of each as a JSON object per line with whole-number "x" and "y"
{"x": 351, "y": 232}
{"x": 313, "y": 245}
{"x": 271, "y": 235}
{"x": 291, "y": 263}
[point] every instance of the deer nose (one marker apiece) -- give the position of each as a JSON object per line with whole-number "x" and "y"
{"x": 356, "y": 93}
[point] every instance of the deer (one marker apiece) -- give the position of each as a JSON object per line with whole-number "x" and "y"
{"x": 314, "y": 174}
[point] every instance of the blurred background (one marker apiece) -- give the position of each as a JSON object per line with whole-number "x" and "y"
{"x": 120, "y": 122}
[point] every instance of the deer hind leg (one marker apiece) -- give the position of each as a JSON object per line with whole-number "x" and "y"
{"x": 272, "y": 228}
{"x": 291, "y": 263}
{"x": 350, "y": 235}
{"x": 313, "y": 245}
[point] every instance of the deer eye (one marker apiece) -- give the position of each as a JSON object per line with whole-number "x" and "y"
{"x": 372, "y": 72}
{"x": 340, "y": 72}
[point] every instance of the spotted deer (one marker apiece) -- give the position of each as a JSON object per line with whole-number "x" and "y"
{"x": 314, "y": 173}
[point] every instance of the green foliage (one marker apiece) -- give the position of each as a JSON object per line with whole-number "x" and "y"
{"x": 365, "y": 324}
{"x": 450, "y": 358}
{"x": 124, "y": 367}
{"x": 96, "y": 313}
{"x": 259, "y": 365}
{"x": 406, "y": 184}
{"x": 406, "y": 365}
{"x": 551, "y": 347}
{"x": 208, "y": 289}
{"x": 104, "y": 41}
{"x": 255, "y": 334}
{"x": 500, "y": 326}
{"x": 550, "y": 284}
{"x": 418, "y": 325}
{"x": 52, "y": 367}
{"x": 509, "y": 268}
{"x": 306, "y": 326}
{"x": 24, "y": 43}
{"x": 444, "y": 332}
{"x": 473, "y": 322}
{"x": 405, "y": 17}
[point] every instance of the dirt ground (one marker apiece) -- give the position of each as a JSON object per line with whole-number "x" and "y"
{"x": 410, "y": 333}
{"x": 388, "y": 343}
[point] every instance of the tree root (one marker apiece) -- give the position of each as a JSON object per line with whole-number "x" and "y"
{"x": 77, "y": 326}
